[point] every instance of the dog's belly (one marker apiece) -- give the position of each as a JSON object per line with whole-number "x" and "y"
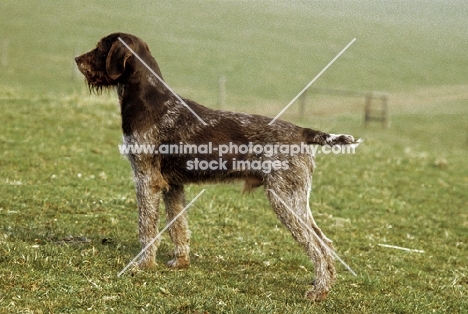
{"x": 200, "y": 169}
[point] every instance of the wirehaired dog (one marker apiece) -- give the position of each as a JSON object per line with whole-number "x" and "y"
{"x": 151, "y": 114}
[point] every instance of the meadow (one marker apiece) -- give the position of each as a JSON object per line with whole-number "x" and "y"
{"x": 68, "y": 218}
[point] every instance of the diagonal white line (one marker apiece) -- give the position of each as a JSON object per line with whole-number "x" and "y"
{"x": 162, "y": 81}
{"x": 160, "y": 233}
{"x": 313, "y": 232}
{"x": 401, "y": 248}
{"x": 311, "y": 82}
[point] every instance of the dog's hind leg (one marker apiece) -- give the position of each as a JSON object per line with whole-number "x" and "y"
{"x": 178, "y": 231}
{"x": 290, "y": 202}
{"x": 314, "y": 225}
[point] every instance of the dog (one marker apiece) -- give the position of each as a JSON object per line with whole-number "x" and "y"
{"x": 152, "y": 114}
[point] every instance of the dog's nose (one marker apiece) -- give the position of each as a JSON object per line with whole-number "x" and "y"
{"x": 77, "y": 59}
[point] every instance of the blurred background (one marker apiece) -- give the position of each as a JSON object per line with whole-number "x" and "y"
{"x": 267, "y": 51}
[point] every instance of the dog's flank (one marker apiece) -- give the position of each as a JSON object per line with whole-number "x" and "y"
{"x": 151, "y": 114}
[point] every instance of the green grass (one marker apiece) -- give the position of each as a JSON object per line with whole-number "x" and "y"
{"x": 62, "y": 175}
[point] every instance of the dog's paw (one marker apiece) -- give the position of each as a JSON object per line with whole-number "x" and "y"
{"x": 178, "y": 263}
{"x": 315, "y": 295}
{"x": 146, "y": 263}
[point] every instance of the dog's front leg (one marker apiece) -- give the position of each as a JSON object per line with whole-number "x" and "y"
{"x": 148, "y": 194}
{"x": 179, "y": 231}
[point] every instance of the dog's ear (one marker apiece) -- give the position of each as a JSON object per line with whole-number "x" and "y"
{"x": 117, "y": 58}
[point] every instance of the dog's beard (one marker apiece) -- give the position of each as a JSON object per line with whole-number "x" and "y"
{"x": 97, "y": 83}
{"x": 95, "y": 89}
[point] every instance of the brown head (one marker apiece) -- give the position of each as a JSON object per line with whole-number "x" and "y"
{"x": 112, "y": 63}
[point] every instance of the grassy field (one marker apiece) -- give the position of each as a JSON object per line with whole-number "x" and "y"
{"x": 68, "y": 220}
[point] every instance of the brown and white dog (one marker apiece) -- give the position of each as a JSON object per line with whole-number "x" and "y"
{"x": 151, "y": 114}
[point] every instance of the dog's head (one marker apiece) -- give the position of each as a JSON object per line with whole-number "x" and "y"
{"x": 111, "y": 62}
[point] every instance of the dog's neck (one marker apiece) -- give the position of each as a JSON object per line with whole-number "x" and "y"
{"x": 143, "y": 102}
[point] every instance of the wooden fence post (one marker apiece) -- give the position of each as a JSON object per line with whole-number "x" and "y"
{"x": 385, "y": 123}
{"x": 383, "y": 112}
{"x": 367, "y": 108}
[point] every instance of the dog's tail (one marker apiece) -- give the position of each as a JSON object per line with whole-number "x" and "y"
{"x": 321, "y": 138}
